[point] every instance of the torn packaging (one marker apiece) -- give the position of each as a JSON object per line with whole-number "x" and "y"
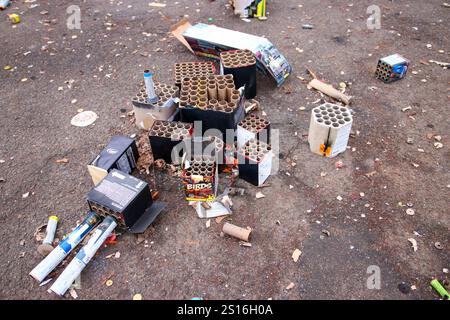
{"x": 121, "y": 153}
{"x": 208, "y": 41}
{"x": 127, "y": 199}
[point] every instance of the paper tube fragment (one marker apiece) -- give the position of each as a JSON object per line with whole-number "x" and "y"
{"x": 329, "y": 91}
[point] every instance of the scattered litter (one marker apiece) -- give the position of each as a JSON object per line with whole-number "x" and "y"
{"x": 392, "y": 68}
{"x": 245, "y": 244}
{"x": 410, "y": 212}
{"x": 438, "y": 145}
{"x": 413, "y": 243}
{"x": 47, "y": 243}
{"x": 237, "y": 232}
{"x": 339, "y": 198}
{"x": 438, "y": 246}
{"x": 43, "y": 283}
{"x": 326, "y": 232}
{"x": 157, "y": 4}
{"x": 14, "y": 18}
{"x": 25, "y": 195}
{"x": 296, "y": 255}
{"x": 109, "y": 283}
{"x": 307, "y": 26}
{"x": 84, "y": 119}
{"x": 290, "y": 286}
{"x": 329, "y": 91}
{"x": 440, "y": 289}
{"x": 137, "y": 296}
{"x": 208, "y": 223}
{"x": 73, "y": 293}
{"x": 63, "y": 160}
{"x": 260, "y": 195}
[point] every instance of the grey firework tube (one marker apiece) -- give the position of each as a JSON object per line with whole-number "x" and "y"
{"x": 76, "y": 266}
{"x": 150, "y": 87}
{"x": 64, "y": 248}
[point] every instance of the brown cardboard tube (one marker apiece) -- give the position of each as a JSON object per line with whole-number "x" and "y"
{"x": 329, "y": 91}
{"x": 237, "y": 232}
{"x": 212, "y": 92}
{"x": 229, "y": 91}
{"x": 221, "y": 92}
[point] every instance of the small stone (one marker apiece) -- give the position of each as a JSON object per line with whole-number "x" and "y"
{"x": 339, "y": 198}
{"x": 409, "y": 140}
{"x": 410, "y": 212}
{"x": 438, "y": 145}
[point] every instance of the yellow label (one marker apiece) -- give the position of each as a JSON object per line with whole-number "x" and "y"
{"x": 53, "y": 218}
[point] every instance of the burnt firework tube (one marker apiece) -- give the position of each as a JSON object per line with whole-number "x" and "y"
{"x": 150, "y": 87}
{"x": 76, "y": 266}
{"x": 64, "y": 248}
{"x": 47, "y": 244}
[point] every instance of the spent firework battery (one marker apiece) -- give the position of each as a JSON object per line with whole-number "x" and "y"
{"x": 392, "y": 68}
{"x": 329, "y": 129}
{"x": 255, "y": 161}
{"x": 242, "y": 65}
{"x": 80, "y": 261}
{"x": 200, "y": 178}
{"x": 165, "y": 135}
{"x": 127, "y": 199}
{"x": 58, "y": 254}
{"x": 253, "y": 127}
{"x": 220, "y": 107}
{"x": 193, "y": 69}
{"x": 121, "y": 153}
{"x": 209, "y": 41}
{"x": 165, "y": 107}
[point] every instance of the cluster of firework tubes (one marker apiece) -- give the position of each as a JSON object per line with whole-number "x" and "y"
{"x": 163, "y": 91}
{"x": 213, "y": 92}
{"x": 200, "y": 166}
{"x": 103, "y": 228}
{"x": 254, "y": 150}
{"x": 176, "y": 131}
{"x": 237, "y": 58}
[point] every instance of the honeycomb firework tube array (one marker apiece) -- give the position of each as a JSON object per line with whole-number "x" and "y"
{"x": 253, "y": 127}
{"x": 163, "y": 91}
{"x": 200, "y": 178}
{"x": 165, "y": 135}
{"x": 242, "y": 65}
{"x": 213, "y": 92}
{"x": 391, "y": 68}
{"x": 255, "y": 161}
{"x": 329, "y": 129}
{"x": 192, "y": 69}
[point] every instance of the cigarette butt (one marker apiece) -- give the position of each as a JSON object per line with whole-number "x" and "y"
{"x": 237, "y": 232}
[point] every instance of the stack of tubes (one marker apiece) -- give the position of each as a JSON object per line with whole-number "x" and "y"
{"x": 254, "y": 150}
{"x": 192, "y": 69}
{"x": 76, "y": 266}
{"x": 176, "y": 131}
{"x": 214, "y": 92}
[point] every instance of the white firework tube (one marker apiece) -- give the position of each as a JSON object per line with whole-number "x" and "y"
{"x": 64, "y": 248}
{"x": 150, "y": 87}
{"x": 51, "y": 229}
{"x": 76, "y": 266}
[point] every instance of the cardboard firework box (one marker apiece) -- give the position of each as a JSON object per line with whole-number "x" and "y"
{"x": 121, "y": 153}
{"x": 200, "y": 179}
{"x": 209, "y": 41}
{"x": 392, "y": 68}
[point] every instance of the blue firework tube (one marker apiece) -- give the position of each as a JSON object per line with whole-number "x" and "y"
{"x": 64, "y": 248}
{"x": 76, "y": 266}
{"x": 150, "y": 87}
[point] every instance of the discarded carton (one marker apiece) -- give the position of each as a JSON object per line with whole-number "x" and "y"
{"x": 121, "y": 153}
{"x": 209, "y": 41}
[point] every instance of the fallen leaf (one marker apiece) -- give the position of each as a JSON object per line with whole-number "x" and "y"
{"x": 296, "y": 254}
